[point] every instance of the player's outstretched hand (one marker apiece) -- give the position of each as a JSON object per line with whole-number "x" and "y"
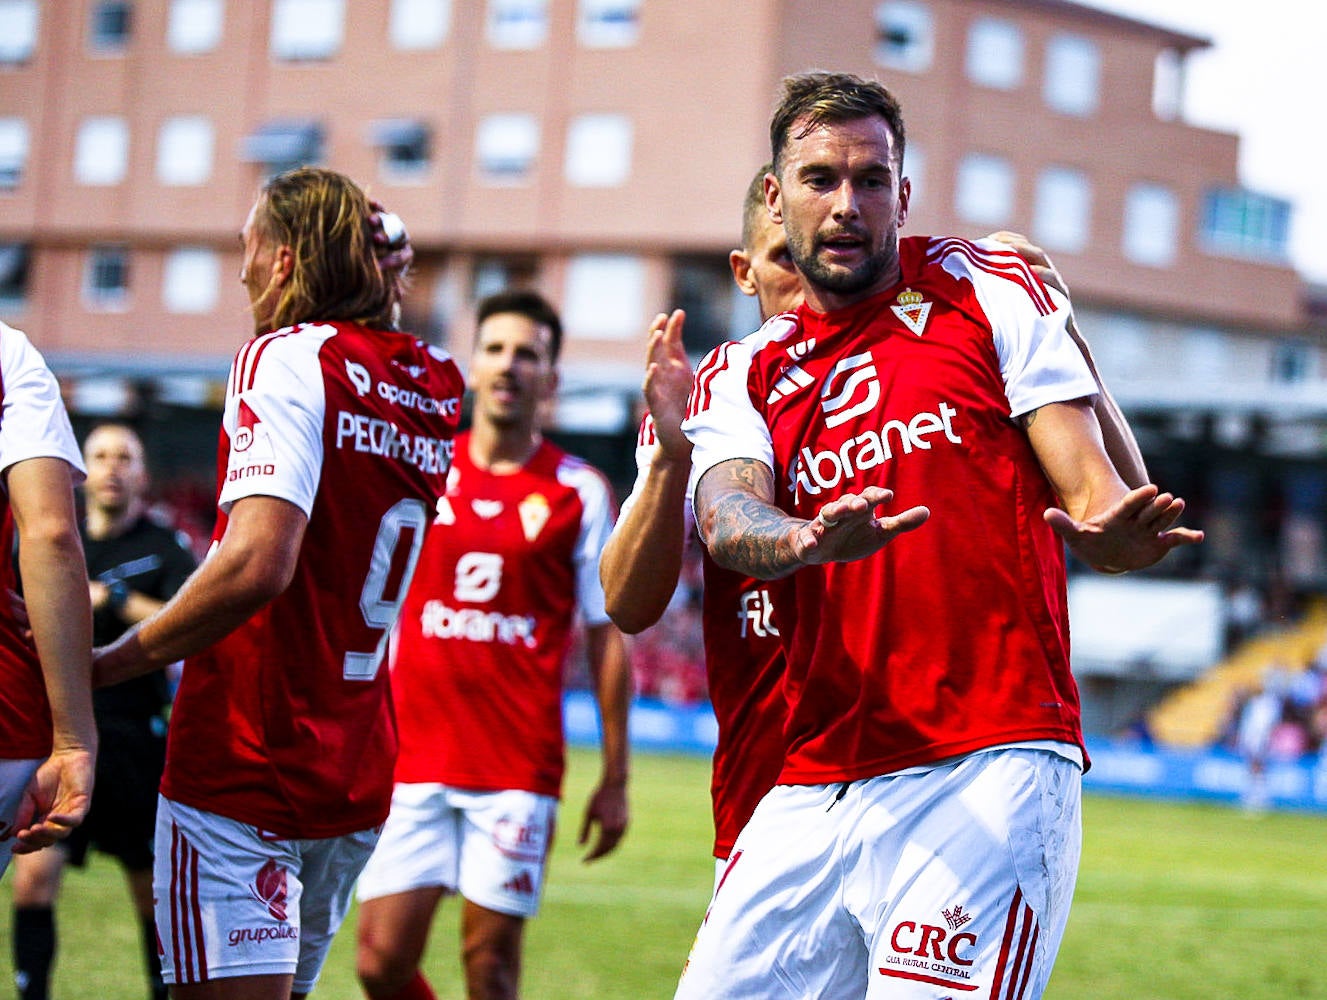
{"x": 1036, "y": 257}
{"x": 607, "y": 810}
{"x": 56, "y": 800}
{"x": 847, "y": 528}
{"x": 1135, "y": 533}
{"x": 667, "y": 386}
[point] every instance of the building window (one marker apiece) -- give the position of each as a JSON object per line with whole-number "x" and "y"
{"x": 506, "y": 146}
{"x": 14, "y": 259}
{"x": 1168, "y": 85}
{"x": 109, "y": 25}
{"x": 184, "y": 151}
{"x": 1292, "y": 362}
{"x": 307, "y": 29}
{"x": 106, "y": 278}
{"x": 13, "y": 152}
{"x": 995, "y": 53}
{"x": 608, "y": 24}
{"x": 703, "y": 286}
{"x": 404, "y": 148}
{"x": 905, "y": 38}
{"x": 1073, "y": 75}
{"x": 985, "y": 190}
{"x": 284, "y": 145}
{"x": 599, "y": 151}
{"x": 517, "y": 24}
{"x": 1245, "y": 224}
{"x": 18, "y": 30}
{"x": 605, "y": 296}
{"x": 101, "y": 151}
{"x": 491, "y": 275}
{"x": 194, "y": 26}
{"x": 1062, "y": 216}
{"x": 1151, "y": 225}
{"x": 419, "y": 24}
{"x": 191, "y": 280}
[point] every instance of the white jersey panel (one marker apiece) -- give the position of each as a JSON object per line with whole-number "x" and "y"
{"x": 34, "y": 423}
{"x": 1039, "y": 360}
{"x": 274, "y": 419}
{"x": 596, "y": 526}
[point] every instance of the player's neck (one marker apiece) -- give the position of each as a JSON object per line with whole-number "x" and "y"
{"x": 102, "y": 523}
{"x": 503, "y": 448}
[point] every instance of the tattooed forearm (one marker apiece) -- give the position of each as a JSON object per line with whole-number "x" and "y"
{"x": 742, "y": 528}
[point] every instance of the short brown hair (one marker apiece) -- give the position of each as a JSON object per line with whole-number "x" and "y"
{"x": 323, "y": 216}
{"x": 817, "y": 98}
{"x": 531, "y": 305}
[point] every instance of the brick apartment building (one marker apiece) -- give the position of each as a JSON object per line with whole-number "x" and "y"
{"x": 598, "y": 150}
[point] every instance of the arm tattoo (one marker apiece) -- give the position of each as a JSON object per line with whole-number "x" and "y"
{"x": 741, "y": 526}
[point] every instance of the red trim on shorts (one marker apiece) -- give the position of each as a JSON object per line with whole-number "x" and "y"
{"x": 186, "y": 912}
{"x": 1024, "y": 921}
{"x": 917, "y": 977}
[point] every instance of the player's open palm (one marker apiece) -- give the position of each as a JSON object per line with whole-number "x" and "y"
{"x": 56, "y": 800}
{"x": 668, "y": 380}
{"x": 1136, "y": 532}
{"x": 851, "y": 527}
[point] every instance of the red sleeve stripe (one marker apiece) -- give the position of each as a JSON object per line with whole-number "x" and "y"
{"x": 1001, "y": 263}
{"x": 645, "y": 436}
{"x": 702, "y": 394}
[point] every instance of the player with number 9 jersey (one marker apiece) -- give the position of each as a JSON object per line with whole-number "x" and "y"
{"x": 285, "y": 723}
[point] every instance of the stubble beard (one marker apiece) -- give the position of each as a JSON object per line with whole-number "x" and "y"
{"x": 839, "y": 280}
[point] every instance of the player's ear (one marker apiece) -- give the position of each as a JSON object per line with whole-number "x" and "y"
{"x": 904, "y": 195}
{"x": 740, "y": 263}
{"x": 283, "y": 264}
{"x": 773, "y": 198}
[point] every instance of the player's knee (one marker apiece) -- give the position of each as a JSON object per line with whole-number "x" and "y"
{"x": 492, "y": 969}
{"x": 382, "y": 970}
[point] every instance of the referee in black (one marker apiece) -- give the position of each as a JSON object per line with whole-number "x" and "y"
{"x": 135, "y": 565}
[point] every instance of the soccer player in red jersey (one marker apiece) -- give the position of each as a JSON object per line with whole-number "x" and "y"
{"x": 477, "y": 677}
{"x": 925, "y": 832}
{"x": 48, "y": 737}
{"x": 643, "y": 557}
{"x": 335, "y": 444}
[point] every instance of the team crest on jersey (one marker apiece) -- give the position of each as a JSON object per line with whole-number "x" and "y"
{"x": 486, "y": 510}
{"x": 534, "y": 511}
{"x": 912, "y": 310}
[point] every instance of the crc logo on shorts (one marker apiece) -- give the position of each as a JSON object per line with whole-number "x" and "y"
{"x": 851, "y": 388}
{"x": 269, "y": 888}
{"x": 933, "y": 952}
{"x": 520, "y": 841}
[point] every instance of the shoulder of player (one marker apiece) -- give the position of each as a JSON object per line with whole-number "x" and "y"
{"x": 578, "y": 474}
{"x": 993, "y": 268}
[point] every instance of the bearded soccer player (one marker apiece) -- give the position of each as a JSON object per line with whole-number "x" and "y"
{"x": 335, "y": 445}
{"x": 642, "y": 560}
{"x": 48, "y": 736}
{"x": 924, "y": 834}
{"x": 477, "y": 677}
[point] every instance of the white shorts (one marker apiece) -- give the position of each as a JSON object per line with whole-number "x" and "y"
{"x": 491, "y": 847}
{"x": 954, "y": 881}
{"x": 232, "y": 900}
{"x": 15, "y": 776}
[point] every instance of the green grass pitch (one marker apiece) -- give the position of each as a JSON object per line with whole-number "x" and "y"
{"x": 1174, "y": 902}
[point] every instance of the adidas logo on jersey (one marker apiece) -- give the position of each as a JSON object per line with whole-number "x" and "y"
{"x": 815, "y": 471}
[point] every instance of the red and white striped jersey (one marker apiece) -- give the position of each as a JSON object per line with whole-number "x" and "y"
{"x": 955, "y": 636}
{"x": 33, "y": 424}
{"x": 477, "y": 671}
{"x": 286, "y": 723}
{"x": 744, "y": 674}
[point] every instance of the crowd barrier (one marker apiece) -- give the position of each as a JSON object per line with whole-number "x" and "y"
{"x": 1117, "y": 766}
